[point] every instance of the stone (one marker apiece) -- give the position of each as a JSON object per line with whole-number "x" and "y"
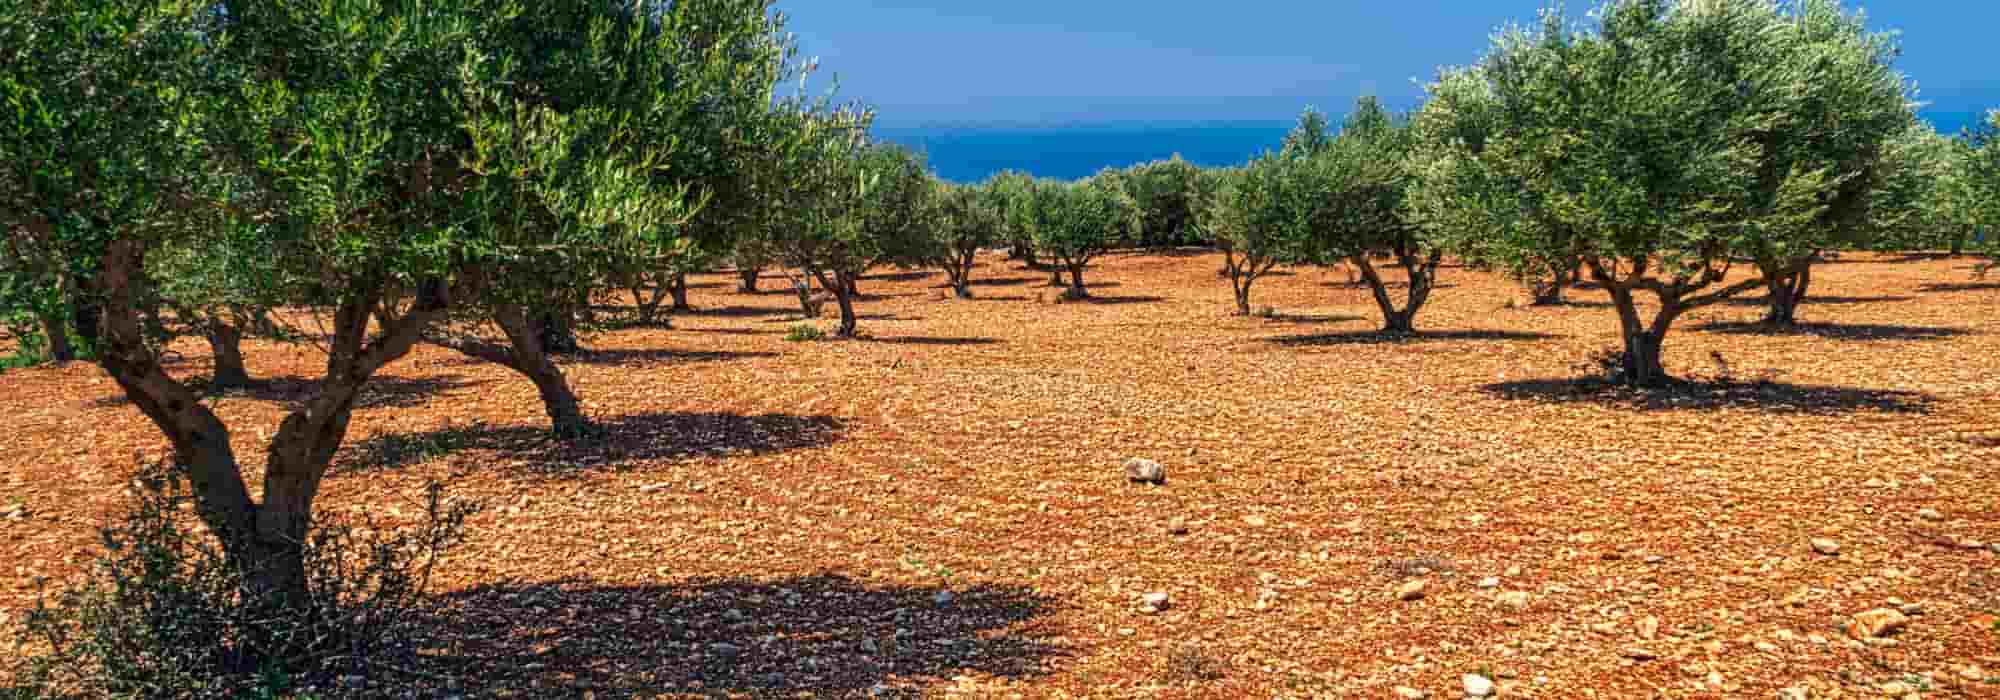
{"x": 1826, "y": 546}
{"x": 1514, "y": 600}
{"x": 1638, "y": 654}
{"x": 1156, "y": 601}
{"x": 1649, "y": 627}
{"x": 1911, "y": 609}
{"x": 1409, "y": 693}
{"x": 1930, "y": 514}
{"x": 1177, "y": 526}
{"x": 1145, "y": 471}
{"x": 1897, "y": 689}
{"x": 726, "y": 650}
{"x": 655, "y": 488}
{"x": 1797, "y": 692}
{"x": 1878, "y": 623}
{"x": 1796, "y": 598}
{"x": 1489, "y": 582}
{"x": 1970, "y": 543}
{"x": 1476, "y": 686}
{"x": 1412, "y": 590}
{"x": 1255, "y": 520}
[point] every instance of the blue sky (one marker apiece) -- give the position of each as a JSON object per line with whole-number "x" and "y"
{"x": 1057, "y": 61}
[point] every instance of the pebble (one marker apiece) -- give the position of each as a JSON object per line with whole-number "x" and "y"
{"x": 1897, "y": 689}
{"x": 1145, "y": 471}
{"x": 1409, "y": 693}
{"x": 1154, "y": 602}
{"x": 1649, "y": 627}
{"x": 1930, "y": 514}
{"x": 1177, "y": 526}
{"x": 1489, "y": 582}
{"x": 1477, "y": 686}
{"x": 1412, "y": 590}
{"x": 1797, "y": 692}
{"x": 1254, "y": 520}
{"x": 1877, "y": 623}
{"x": 1514, "y": 600}
{"x": 1825, "y": 546}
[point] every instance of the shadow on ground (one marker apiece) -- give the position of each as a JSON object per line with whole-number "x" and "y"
{"x": 1819, "y": 300}
{"x": 652, "y": 356}
{"x": 615, "y": 441}
{"x": 1380, "y": 338}
{"x": 1775, "y": 397}
{"x": 826, "y": 635}
{"x": 1838, "y": 331}
{"x": 924, "y": 340}
{"x": 1958, "y": 286}
{"x": 380, "y": 392}
{"x": 1309, "y": 319}
{"x": 1115, "y": 300}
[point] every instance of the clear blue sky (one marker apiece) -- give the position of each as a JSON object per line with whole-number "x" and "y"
{"x": 1053, "y": 61}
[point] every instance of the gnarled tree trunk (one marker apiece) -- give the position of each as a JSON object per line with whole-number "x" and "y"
{"x": 1076, "y": 288}
{"x": 523, "y": 353}
{"x": 265, "y": 538}
{"x": 839, "y": 284}
{"x": 1422, "y": 276}
{"x": 225, "y": 342}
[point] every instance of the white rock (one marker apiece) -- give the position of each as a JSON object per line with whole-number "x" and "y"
{"x": 1930, "y": 514}
{"x": 1145, "y": 471}
{"x": 1412, "y": 590}
{"x": 1409, "y": 693}
{"x": 1477, "y": 686}
{"x": 1157, "y": 601}
{"x": 1826, "y": 546}
{"x": 1514, "y": 600}
{"x": 1489, "y": 582}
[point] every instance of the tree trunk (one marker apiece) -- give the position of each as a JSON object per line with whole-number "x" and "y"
{"x": 1641, "y": 365}
{"x": 840, "y": 284}
{"x": 526, "y": 355}
{"x": 680, "y": 291}
{"x": 58, "y": 334}
{"x": 85, "y": 312}
{"x": 225, "y": 341}
{"x": 1958, "y": 243}
{"x": 1242, "y": 284}
{"x": 747, "y": 280}
{"x": 1786, "y": 289}
{"x": 557, "y": 328}
{"x": 1550, "y": 292}
{"x": 1420, "y": 273}
{"x": 803, "y": 287}
{"x": 1076, "y": 288}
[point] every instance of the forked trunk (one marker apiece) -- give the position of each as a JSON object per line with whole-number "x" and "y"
{"x": 226, "y": 343}
{"x": 1785, "y": 291}
{"x": 1640, "y": 365}
{"x": 1422, "y": 272}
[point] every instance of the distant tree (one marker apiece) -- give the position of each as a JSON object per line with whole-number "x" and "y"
{"x": 1363, "y": 178}
{"x": 1017, "y": 191}
{"x": 1310, "y": 135}
{"x": 967, "y": 218}
{"x": 1262, "y": 217}
{"x": 1667, "y": 142}
{"x": 1076, "y": 222}
{"x": 1167, "y": 195}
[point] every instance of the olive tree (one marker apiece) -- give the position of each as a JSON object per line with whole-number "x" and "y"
{"x": 1261, "y": 217}
{"x": 966, "y": 219}
{"x": 1076, "y": 222}
{"x": 386, "y": 152}
{"x": 1664, "y": 143}
{"x": 1362, "y": 179}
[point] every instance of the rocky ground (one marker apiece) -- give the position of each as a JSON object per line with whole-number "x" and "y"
{"x": 943, "y": 508}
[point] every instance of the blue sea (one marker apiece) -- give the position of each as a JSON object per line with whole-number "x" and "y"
{"x": 971, "y": 153}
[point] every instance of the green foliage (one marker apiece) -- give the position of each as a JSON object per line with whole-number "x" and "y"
{"x": 1076, "y": 222}
{"x": 165, "y": 613}
{"x": 1665, "y": 142}
{"x": 1168, "y": 196}
{"x": 804, "y": 333}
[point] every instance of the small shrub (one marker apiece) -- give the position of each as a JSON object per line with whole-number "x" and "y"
{"x": 166, "y": 614}
{"x": 805, "y": 333}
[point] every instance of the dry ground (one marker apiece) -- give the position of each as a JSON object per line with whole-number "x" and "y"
{"x": 807, "y": 503}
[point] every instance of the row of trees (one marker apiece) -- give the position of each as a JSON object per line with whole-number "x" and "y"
{"x": 481, "y": 174}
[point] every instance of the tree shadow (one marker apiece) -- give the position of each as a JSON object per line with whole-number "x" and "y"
{"x": 1003, "y": 297}
{"x": 919, "y": 340}
{"x": 904, "y": 276}
{"x": 1955, "y": 287}
{"x": 1381, "y": 338}
{"x": 614, "y": 442}
{"x": 728, "y": 331}
{"x": 1837, "y": 331}
{"x": 1812, "y": 300}
{"x": 1115, "y": 300}
{"x": 822, "y": 635}
{"x": 885, "y": 316}
{"x": 1708, "y": 395}
{"x": 1362, "y": 284}
{"x": 659, "y": 356}
{"x": 994, "y": 282}
{"x": 380, "y": 391}
{"x": 735, "y": 311}
{"x": 1310, "y": 319}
